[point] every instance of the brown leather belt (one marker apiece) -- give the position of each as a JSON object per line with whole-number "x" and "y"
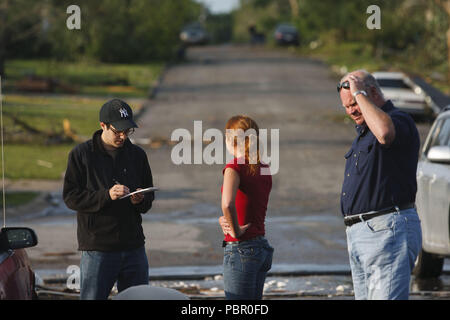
{"x": 351, "y": 220}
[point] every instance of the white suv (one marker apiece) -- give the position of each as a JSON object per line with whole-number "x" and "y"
{"x": 433, "y": 198}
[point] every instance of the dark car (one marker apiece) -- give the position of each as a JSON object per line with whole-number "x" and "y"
{"x": 17, "y": 280}
{"x": 286, "y": 34}
{"x": 194, "y": 34}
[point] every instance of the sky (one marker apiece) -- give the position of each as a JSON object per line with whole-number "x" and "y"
{"x": 220, "y": 6}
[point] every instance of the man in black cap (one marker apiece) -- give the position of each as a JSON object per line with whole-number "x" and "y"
{"x": 99, "y": 173}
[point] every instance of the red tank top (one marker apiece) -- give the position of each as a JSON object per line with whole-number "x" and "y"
{"x": 251, "y": 200}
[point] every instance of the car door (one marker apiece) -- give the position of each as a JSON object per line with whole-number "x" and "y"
{"x": 16, "y": 277}
{"x": 433, "y": 194}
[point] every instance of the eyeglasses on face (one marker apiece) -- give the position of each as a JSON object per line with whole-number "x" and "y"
{"x": 127, "y": 132}
{"x": 345, "y": 85}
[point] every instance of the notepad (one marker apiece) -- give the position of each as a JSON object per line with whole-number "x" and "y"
{"x": 146, "y": 190}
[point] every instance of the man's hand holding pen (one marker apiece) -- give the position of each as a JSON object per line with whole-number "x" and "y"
{"x": 118, "y": 191}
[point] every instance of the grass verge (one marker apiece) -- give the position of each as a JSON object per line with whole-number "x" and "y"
{"x": 30, "y": 119}
{"x": 88, "y": 77}
{"x": 37, "y": 159}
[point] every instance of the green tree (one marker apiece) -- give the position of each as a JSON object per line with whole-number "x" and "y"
{"x": 20, "y": 25}
{"x": 139, "y": 30}
{"x": 111, "y": 30}
{"x": 414, "y": 32}
{"x": 445, "y": 4}
{"x": 264, "y": 15}
{"x": 220, "y": 27}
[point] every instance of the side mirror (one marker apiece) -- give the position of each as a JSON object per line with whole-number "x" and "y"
{"x": 17, "y": 238}
{"x": 440, "y": 154}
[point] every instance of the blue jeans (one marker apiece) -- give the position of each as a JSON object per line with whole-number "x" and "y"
{"x": 245, "y": 267}
{"x": 382, "y": 254}
{"x": 100, "y": 270}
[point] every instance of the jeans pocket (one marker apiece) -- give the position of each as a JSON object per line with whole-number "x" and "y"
{"x": 382, "y": 223}
{"x": 249, "y": 252}
{"x": 267, "y": 265}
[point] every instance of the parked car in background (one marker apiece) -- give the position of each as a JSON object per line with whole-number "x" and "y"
{"x": 433, "y": 198}
{"x": 404, "y": 93}
{"x": 194, "y": 34}
{"x": 17, "y": 279}
{"x": 286, "y": 34}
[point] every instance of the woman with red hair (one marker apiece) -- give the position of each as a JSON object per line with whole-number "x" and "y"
{"x": 245, "y": 194}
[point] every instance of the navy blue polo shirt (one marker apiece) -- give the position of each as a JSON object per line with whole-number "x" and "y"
{"x": 378, "y": 177}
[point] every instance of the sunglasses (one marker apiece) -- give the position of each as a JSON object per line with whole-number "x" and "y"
{"x": 345, "y": 85}
{"x": 127, "y": 132}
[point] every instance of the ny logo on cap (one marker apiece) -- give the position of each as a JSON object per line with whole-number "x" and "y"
{"x": 123, "y": 113}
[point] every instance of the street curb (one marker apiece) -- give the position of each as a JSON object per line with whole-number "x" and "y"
{"x": 153, "y": 91}
{"x": 201, "y": 272}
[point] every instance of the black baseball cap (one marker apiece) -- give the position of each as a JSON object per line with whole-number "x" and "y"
{"x": 118, "y": 113}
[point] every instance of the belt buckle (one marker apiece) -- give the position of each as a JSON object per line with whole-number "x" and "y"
{"x": 397, "y": 209}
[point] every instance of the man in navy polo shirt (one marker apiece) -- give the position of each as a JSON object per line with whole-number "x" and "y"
{"x": 379, "y": 189}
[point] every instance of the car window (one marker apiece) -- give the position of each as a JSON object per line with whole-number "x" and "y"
{"x": 392, "y": 83}
{"x": 441, "y": 136}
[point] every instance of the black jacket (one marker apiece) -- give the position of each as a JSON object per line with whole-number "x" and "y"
{"x": 104, "y": 224}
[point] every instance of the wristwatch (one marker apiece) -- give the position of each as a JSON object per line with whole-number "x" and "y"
{"x": 359, "y": 92}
